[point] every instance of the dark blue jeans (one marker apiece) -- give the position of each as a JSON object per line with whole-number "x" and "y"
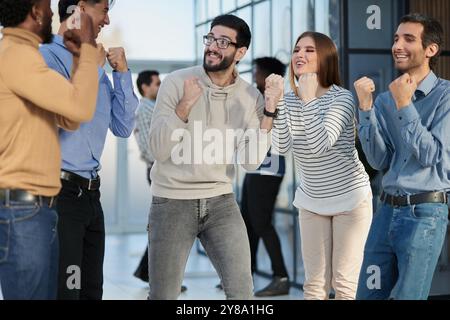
{"x": 28, "y": 252}
{"x": 402, "y": 252}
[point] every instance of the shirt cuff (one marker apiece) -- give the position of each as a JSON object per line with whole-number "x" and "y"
{"x": 407, "y": 115}
{"x": 367, "y": 118}
{"x": 122, "y": 80}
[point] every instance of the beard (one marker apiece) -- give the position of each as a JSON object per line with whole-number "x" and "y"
{"x": 46, "y": 32}
{"x": 415, "y": 62}
{"x": 223, "y": 65}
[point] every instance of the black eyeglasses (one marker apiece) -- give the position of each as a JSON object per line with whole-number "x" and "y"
{"x": 222, "y": 43}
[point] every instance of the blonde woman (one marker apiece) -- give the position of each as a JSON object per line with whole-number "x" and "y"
{"x": 317, "y": 121}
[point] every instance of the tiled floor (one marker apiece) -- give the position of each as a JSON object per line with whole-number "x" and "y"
{"x": 123, "y": 253}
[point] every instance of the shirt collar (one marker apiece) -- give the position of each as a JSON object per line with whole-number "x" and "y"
{"x": 148, "y": 102}
{"x": 427, "y": 85}
{"x": 23, "y": 36}
{"x": 59, "y": 40}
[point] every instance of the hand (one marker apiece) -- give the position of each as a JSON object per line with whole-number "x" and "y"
{"x": 117, "y": 59}
{"x": 402, "y": 90}
{"x": 192, "y": 92}
{"x": 81, "y": 30}
{"x": 308, "y": 85}
{"x": 274, "y": 91}
{"x": 101, "y": 55}
{"x": 365, "y": 88}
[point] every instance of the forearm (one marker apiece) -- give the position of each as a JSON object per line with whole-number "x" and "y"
{"x": 281, "y": 133}
{"x": 371, "y": 136}
{"x": 427, "y": 146}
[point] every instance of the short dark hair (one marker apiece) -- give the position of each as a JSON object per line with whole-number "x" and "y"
{"x": 244, "y": 35}
{"x": 14, "y": 12}
{"x": 145, "y": 77}
{"x": 269, "y": 65}
{"x": 64, "y": 6}
{"x": 432, "y": 32}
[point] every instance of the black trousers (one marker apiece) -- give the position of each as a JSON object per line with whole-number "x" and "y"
{"x": 81, "y": 231}
{"x": 258, "y": 203}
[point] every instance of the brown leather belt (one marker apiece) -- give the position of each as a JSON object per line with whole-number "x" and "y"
{"x": 9, "y": 197}
{"x": 404, "y": 201}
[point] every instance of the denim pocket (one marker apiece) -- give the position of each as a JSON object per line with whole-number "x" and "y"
{"x": 24, "y": 212}
{"x": 159, "y": 200}
{"x": 429, "y": 211}
{"x": 5, "y": 230}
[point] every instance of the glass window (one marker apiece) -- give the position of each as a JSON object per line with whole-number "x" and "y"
{"x": 109, "y": 181}
{"x": 303, "y": 17}
{"x": 281, "y": 30}
{"x": 228, "y": 5}
{"x": 246, "y": 15}
{"x": 201, "y": 14}
{"x": 261, "y": 33}
{"x": 214, "y": 8}
{"x": 241, "y": 3}
{"x": 201, "y": 31}
{"x": 321, "y": 14}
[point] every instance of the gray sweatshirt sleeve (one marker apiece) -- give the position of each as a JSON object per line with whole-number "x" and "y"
{"x": 254, "y": 145}
{"x": 165, "y": 122}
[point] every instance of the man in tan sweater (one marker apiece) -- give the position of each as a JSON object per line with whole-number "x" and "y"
{"x": 34, "y": 102}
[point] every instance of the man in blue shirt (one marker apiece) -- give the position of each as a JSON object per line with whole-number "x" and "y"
{"x": 81, "y": 227}
{"x": 406, "y": 133}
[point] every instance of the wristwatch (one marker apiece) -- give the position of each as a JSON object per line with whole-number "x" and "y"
{"x": 270, "y": 114}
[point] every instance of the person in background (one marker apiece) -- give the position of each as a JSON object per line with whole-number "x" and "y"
{"x": 259, "y": 195}
{"x": 148, "y": 83}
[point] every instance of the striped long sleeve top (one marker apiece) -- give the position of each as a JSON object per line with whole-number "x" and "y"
{"x": 321, "y": 135}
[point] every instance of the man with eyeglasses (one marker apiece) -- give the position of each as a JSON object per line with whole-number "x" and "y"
{"x": 196, "y": 110}
{"x": 81, "y": 227}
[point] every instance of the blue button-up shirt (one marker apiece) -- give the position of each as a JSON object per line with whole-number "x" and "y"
{"x": 116, "y": 107}
{"x": 412, "y": 144}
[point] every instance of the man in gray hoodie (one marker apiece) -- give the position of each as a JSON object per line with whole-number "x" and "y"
{"x": 206, "y": 119}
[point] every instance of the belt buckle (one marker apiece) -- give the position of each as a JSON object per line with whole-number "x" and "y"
{"x": 90, "y": 185}
{"x": 408, "y": 200}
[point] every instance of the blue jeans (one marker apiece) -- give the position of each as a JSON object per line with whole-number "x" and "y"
{"x": 402, "y": 252}
{"x": 28, "y": 252}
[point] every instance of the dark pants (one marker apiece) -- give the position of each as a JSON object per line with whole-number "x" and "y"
{"x": 258, "y": 203}
{"x": 142, "y": 269}
{"x": 81, "y": 231}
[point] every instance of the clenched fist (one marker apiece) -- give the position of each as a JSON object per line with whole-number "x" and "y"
{"x": 365, "y": 87}
{"x": 117, "y": 59}
{"x": 308, "y": 84}
{"x": 192, "y": 92}
{"x": 274, "y": 91}
{"x": 403, "y": 89}
{"x": 74, "y": 38}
